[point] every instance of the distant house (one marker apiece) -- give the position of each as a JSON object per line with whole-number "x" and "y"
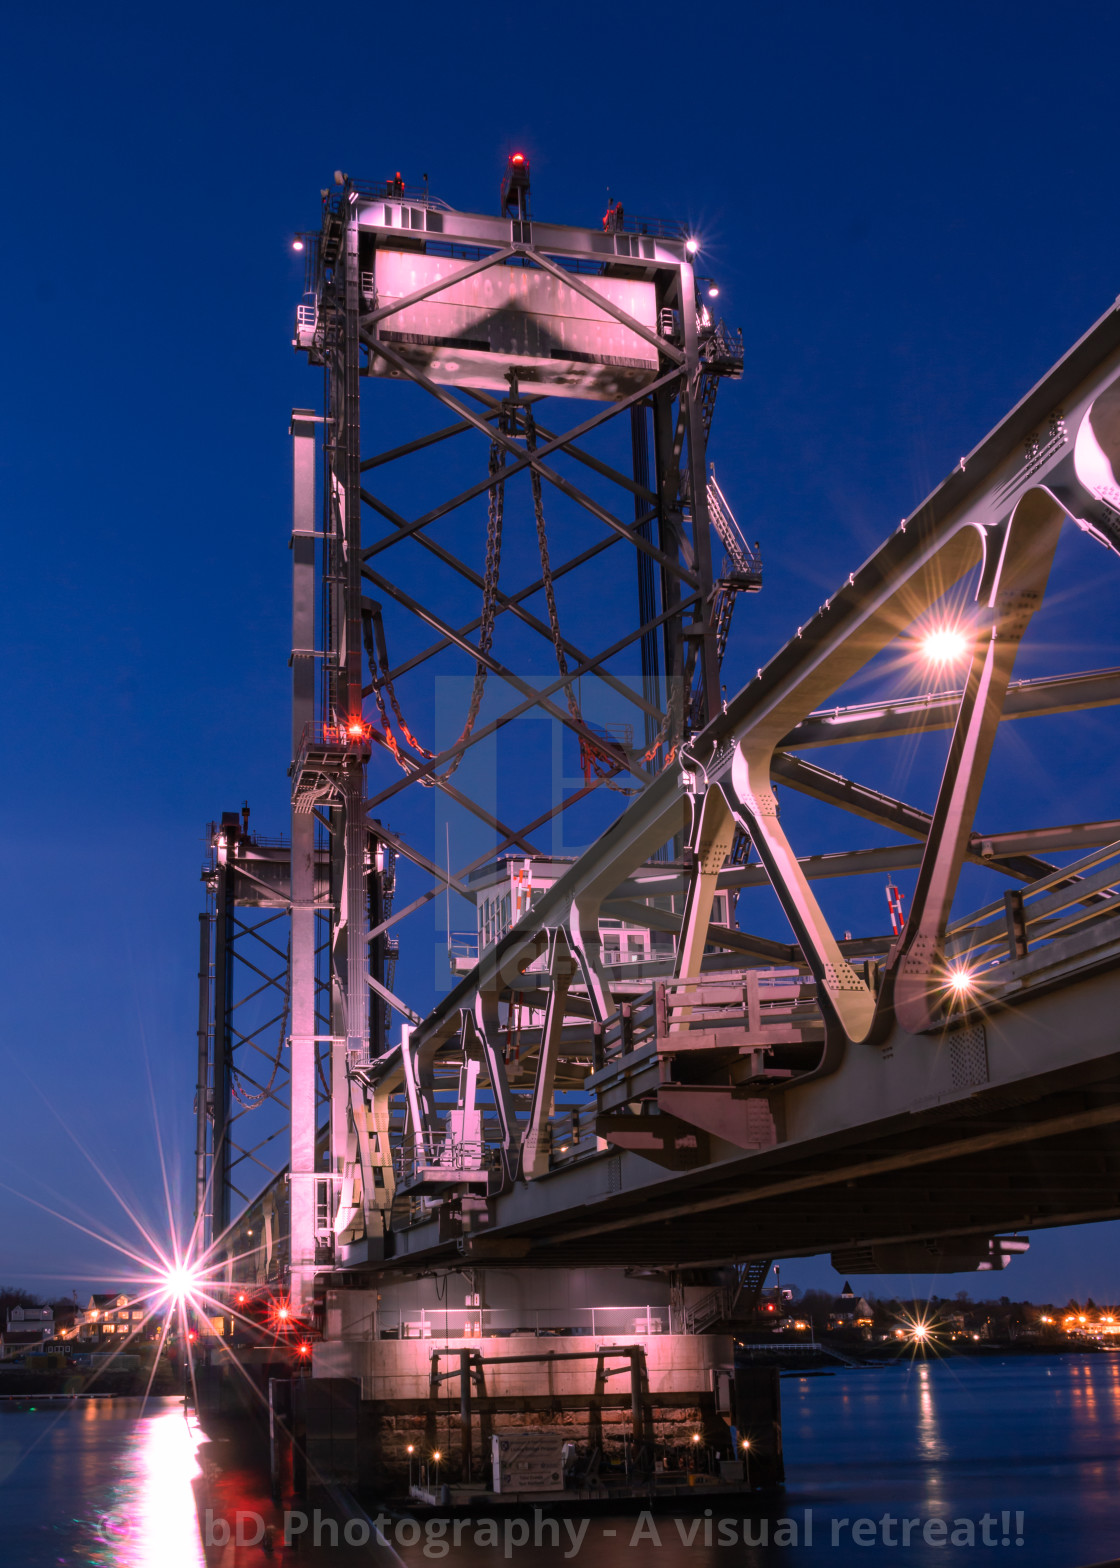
{"x": 15, "y": 1343}
{"x": 25, "y": 1320}
{"x": 850, "y": 1310}
{"x": 26, "y": 1329}
{"x": 112, "y": 1315}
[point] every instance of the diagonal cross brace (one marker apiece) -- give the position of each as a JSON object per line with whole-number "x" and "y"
{"x": 492, "y": 664}
{"x": 523, "y": 460}
{"x": 495, "y": 259}
{"x": 428, "y": 769}
{"x": 505, "y": 602}
{"x": 624, "y": 530}
{"x": 1017, "y": 566}
{"x": 562, "y": 969}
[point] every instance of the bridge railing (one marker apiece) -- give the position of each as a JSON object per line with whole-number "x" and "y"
{"x": 1039, "y": 912}
{"x": 747, "y": 1007}
{"x": 628, "y": 1030}
{"x": 449, "y": 1322}
{"x": 439, "y": 1153}
{"x": 760, "y": 1007}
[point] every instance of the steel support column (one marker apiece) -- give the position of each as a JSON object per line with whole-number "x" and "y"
{"x": 707, "y": 655}
{"x": 302, "y": 974}
{"x": 223, "y": 1003}
{"x": 202, "y": 1092}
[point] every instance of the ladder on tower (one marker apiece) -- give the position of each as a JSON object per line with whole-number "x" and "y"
{"x": 742, "y": 565}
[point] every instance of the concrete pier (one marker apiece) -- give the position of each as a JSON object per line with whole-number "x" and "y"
{"x": 608, "y": 1363}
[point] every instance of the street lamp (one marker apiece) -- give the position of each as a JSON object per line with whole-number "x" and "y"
{"x": 410, "y": 1451}
{"x": 747, "y": 1458}
{"x": 437, "y": 1456}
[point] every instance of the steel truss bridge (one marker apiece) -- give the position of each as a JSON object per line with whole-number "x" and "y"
{"x": 898, "y": 1100}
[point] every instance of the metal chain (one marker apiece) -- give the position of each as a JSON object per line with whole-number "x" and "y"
{"x": 372, "y": 628}
{"x": 546, "y": 570}
{"x": 660, "y": 738}
{"x": 379, "y": 663}
{"x": 380, "y": 678}
{"x": 602, "y": 766}
{"x": 489, "y": 595}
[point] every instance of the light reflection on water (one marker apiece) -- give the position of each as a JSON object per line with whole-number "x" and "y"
{"x": 929, "y": 1438}
{"x": 164, "y": 1527}
{"x": 100, "y": 1484}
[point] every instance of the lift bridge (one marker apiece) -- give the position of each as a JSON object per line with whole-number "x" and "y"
{"x": 623, "y": 1073}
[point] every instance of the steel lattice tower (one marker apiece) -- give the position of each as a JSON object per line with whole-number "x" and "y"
{"x": 504, "y": 325}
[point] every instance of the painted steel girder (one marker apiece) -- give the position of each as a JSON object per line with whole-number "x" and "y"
{"x": 931, "y": 551}
{"x": 905, "y": 717}
{"x": 1016, "y": 556}
{"x": 1011, "y": 529}
{"x": 998, "y": 511}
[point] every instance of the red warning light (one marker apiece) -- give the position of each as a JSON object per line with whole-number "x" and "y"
{"x": 351, "y": 731}
{"x": 282, "y": 1312}
{"x": 242, "y": 1297}
{"x": 518, "y": 157}
{"x": 305, "y": 1350}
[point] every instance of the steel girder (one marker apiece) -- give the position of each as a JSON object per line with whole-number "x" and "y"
{"x": 904, "y": 1058}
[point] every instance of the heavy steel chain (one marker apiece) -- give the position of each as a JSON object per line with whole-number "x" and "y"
{"x": 379, "y": 660}
{"x": 489, "y": 593}
{"x": 601, "y": 762}
{"x": 546, "y": 570}
{"x": 602, "y": 765}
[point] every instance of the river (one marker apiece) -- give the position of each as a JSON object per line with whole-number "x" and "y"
{"x": 1013, "y": 1461}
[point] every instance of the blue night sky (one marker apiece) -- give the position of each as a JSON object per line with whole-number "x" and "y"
{"x": 909, "y": 210}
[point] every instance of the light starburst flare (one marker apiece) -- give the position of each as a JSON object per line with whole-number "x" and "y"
{"x": 961, "y": 981}
{"x": 944, "y": 645}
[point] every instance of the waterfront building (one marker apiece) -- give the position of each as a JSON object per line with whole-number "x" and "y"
{"x": 112, "y": 1314}
{"x": 26, "y": 1329}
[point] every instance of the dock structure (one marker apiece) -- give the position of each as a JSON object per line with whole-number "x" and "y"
{"x": 630, "y": 1101}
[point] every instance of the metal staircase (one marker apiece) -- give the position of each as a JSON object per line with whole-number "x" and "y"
{"x": 727, "y": 1305}
{"x": 742, "y": 567}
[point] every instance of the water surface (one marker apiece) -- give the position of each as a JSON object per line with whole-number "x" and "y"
{"x": 1024, "y": 1452}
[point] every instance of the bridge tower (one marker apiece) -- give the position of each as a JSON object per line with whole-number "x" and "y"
{"x": 573, "y": 372}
